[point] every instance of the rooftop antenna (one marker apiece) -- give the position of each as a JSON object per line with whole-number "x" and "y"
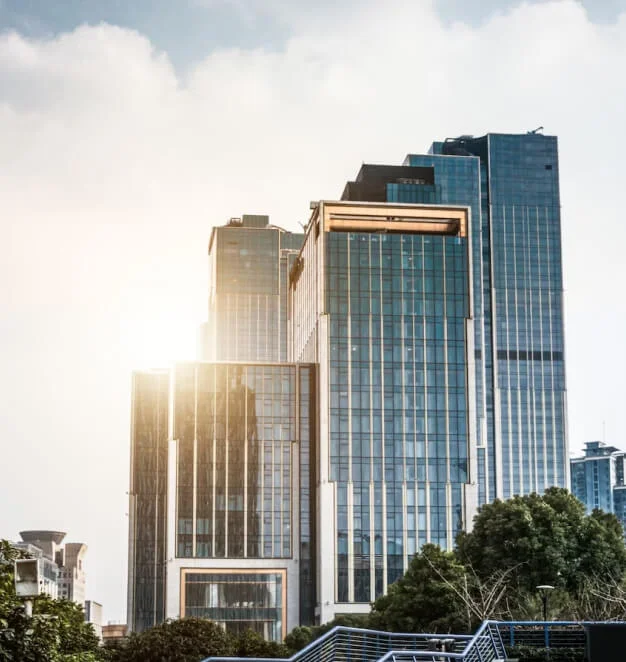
{"x": 537, "y": 130}
{"x": 604, "y": 431}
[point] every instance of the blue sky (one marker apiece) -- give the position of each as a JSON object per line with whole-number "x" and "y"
{"x": 189, "y": 29}
{"x": 123, "y": 142}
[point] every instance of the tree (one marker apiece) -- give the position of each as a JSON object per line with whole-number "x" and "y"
{"x": 251, "y": 644}
{"x": 483, "y": 599}
{"x": 181, "y": 640}
{"x": 76, "y": 636}
{"x": 424, "y": 599}
{"x": 57, "y": 632}
{"x": 299, "y": 637}
{"x": 547, "y": 539}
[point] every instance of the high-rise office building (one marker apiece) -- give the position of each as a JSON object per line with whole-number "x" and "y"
{"x": 510, "y": 183}
{"x": 598, "y": 478}
{"x": 227, "y": 474}
{"x": 422, "y": 319}
{"x": 249, "y": 263}
{"x": 381, "y": 302}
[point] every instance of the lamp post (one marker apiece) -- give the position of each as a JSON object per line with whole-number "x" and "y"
{"x": 544, "y": 589}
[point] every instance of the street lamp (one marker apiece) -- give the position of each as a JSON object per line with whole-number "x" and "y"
{"x": 544, "y": 589}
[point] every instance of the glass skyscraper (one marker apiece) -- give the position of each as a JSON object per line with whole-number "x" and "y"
{"x": 510, "y": 183}
{"x": 249, "y": 262}
{"x": 380, "y": 300}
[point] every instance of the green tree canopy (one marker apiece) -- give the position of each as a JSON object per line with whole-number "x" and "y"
{"x": 252, "y": 644}
{"x": 548, "y": 539}
{"x": 423, "y": 599}
{"x": 181, "y": 640}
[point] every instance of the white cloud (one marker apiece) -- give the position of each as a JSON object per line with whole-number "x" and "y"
{"x": 113, "y": 170}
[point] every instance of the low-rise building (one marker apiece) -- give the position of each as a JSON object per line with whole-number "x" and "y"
{"x": 93, "y": 615}
{"x": 63, "y": 565}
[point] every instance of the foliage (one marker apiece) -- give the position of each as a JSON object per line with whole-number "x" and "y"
{"x": 424, "y": 599}
{"x": 181, "y": 640}
{"x": 532, "y": 654}
{"x": 302, "y": 636}
{"x": 547, "y": 539}
{"x": 252, "y": 644}
{"x": 75, "y": 634}
{"x": 298, "y": 638}
{"x": 343, "y": 620}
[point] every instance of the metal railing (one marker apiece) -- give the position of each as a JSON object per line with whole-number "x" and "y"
{"x": 544, "y": 634}
{"x": 488, "y": 644}
{"x": 345, "y": 644}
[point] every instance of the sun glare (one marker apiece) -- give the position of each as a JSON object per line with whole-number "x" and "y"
{"x": 159, "y": 343}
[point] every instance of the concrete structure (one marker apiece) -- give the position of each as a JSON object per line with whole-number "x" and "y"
{"x": 48, "y": 569}
{"x": 68, "y": 560}
{"x": 114, "y": 632}
{"x": 598, "y": 479}
{"x": 72, "y": 579}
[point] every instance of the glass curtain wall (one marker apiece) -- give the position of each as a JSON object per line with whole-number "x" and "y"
{"x": 235, "y": 426}
{"x": 398, "y": 306}
{"x": 148, "y": 490}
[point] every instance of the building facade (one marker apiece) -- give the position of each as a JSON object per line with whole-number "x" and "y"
{"x": 147, "y": 514}
{"x": 48, "y": 569}
{"x": 598, "y": 479}
{"x": 238, "y": 484}
{"x": 249, "y": 262}
{"x": 93, "y": 615}
{"x": 381, "y": 302}
{"x": 63, "y": 565}
{"x": 511, "y": 185}
{"x": 72, "y": 578}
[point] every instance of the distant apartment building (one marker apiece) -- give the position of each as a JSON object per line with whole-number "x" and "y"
{"x": 249, "y": 263}
{"x": 598, "y": 478}
{"x": 66, "y": 562}
{"x": 48, "y": 569}
{"x": 72, "y": 580}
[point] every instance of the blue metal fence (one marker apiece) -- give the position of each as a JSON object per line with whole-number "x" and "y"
{"x": 343, "y": 644}
{"x": 549, "y": 634}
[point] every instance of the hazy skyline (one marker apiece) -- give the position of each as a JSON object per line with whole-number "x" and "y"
{"x": 124, "y": 142}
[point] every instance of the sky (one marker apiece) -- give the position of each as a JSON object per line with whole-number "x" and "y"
{"x": 130, "y": 127}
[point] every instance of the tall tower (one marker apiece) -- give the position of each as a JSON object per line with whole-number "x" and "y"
{"x": 249, "y": 262}
{"x": 380, "y": 300}
{"x": 510, "y": 183}
{"x": 518, "y": 290}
